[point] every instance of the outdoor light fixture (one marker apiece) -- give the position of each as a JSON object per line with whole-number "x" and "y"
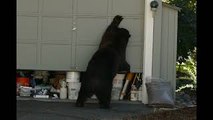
{"x": 154, "y": 5}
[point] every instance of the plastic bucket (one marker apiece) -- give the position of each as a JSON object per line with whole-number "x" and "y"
{"x": 73, "y": 89}
{"x": 115, "y": 95}
{"x": 134, "y": 95}
{"x": 73, "y": 77}
{"x": 63, "y": 93}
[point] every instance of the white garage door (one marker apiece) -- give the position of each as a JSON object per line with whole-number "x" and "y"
{"x": 64, "y": 34}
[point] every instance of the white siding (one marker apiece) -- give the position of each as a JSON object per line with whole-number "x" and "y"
{"x": 169, "y": 45}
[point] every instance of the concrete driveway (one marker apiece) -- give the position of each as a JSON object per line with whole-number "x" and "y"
{"x": 44, "y": 109}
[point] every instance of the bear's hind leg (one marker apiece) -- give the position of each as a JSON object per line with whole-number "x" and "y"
{"x": 82, "y": 96}
{"x": 104, "y": 98}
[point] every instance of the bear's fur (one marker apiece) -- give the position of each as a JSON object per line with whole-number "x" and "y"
{"x": 104, "y": 65}
{"x": 112, "y": 34}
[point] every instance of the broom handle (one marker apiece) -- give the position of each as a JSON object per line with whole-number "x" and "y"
{"x": 128, "y": 79}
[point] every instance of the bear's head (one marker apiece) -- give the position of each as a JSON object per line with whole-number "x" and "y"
{"x": 123, "y": 36}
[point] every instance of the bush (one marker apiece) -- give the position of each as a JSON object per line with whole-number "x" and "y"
{"x": 187, "y": 73}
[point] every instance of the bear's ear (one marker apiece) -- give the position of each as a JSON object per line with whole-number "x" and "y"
{"x": 129, "y": 36}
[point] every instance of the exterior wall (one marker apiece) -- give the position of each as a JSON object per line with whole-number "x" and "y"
{"x": 165, "y": 43}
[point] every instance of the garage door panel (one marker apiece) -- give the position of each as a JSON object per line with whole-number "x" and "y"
{"x": 56, "y": 29}
{"x": 26, "y": 55}
{"x": 127, "y": 7}
{"x": 56, "y": 56}
{"x": 27, "y": 28}
{"x": 90, "y": 30}
{"x": 98, "y": 7}
{"x": 57, "y": 6}
{"x": 48, "y": 27}
{"x": 134, "y": 57}
{"x": 135, "y": 28}
{"x": 83, "y": 55}
{"x": 27, "y": 6}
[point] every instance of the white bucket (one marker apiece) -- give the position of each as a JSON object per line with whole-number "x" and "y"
{"x": 73, "y": 77}
{"x": 118, "y": 80}
{"x": 73, "y": 89}
{"x": 134, "y": 95}
{"x": 63, "y": 93}
{"x": 140, "y": 94}
{"x": 115, "y": 95}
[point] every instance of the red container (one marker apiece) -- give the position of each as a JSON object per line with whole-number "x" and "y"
{"x": 23, "y": 81}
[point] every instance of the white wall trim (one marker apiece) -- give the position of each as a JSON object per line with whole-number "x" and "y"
{"x": 148, "y": 47}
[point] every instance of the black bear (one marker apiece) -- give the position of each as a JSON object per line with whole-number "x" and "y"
{"x": 112, "y": 34}
{"x": 104, "y": 65}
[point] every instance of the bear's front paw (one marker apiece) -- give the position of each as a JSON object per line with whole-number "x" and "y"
{"x": 117, "y": 19}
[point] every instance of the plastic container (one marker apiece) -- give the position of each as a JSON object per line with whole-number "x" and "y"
{"x": 73, "y": 89}
{"x": 73, "y": 77}
{"x": 140, "y": 94}
{"x": 115, "y": 93}
{"x": 25, "y": 91}
{"x": 63, "y": 93}
{"x": 134, "y": 94}
{"x": 23, "y": 81}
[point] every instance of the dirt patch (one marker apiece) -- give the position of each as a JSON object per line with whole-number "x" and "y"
{"x": 188, "y": 113}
